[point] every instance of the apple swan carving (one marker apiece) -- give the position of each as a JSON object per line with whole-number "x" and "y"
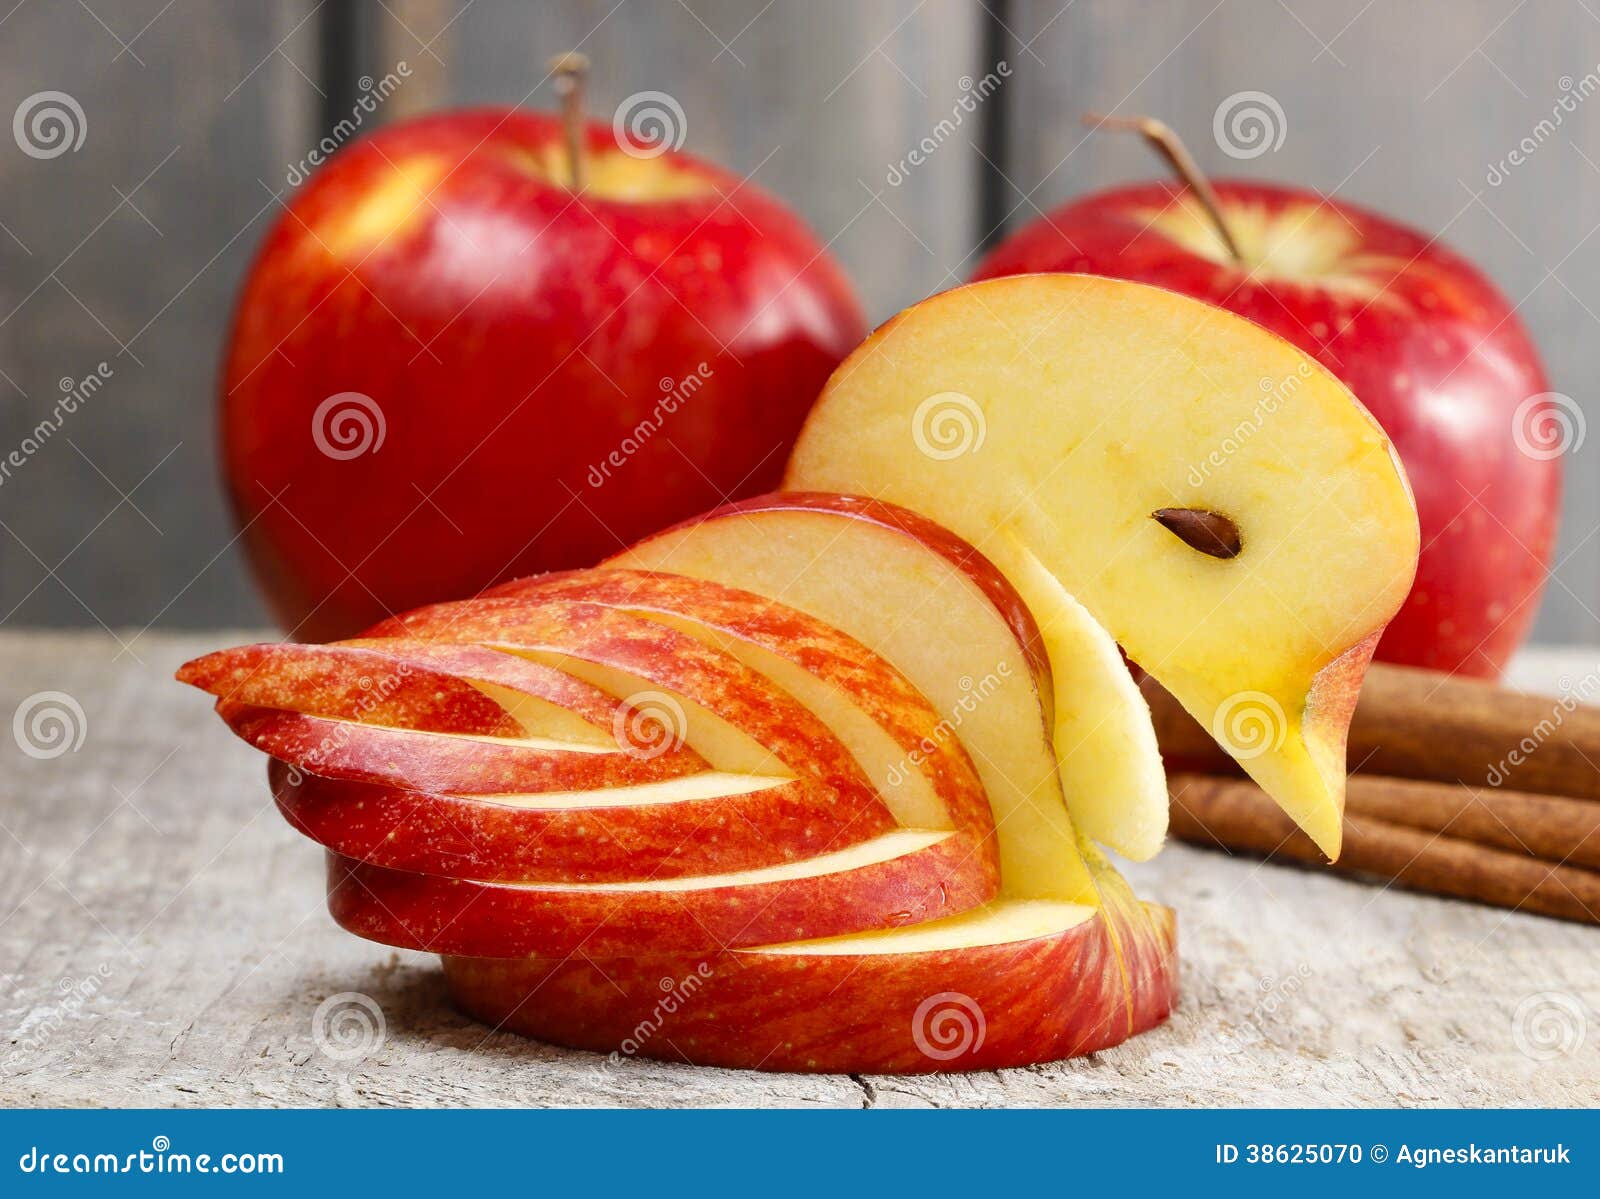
{"x": 811, "y": 782}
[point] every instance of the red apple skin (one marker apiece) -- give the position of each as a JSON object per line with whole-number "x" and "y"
{"x": 1145, "y": 941}
{"x": 513, "y": 338}
{"x": 371, "y": 753}
{"x": 1040, "y": 1000}
{"x": 396, "y": 683}
{"x": 472, "y": 838}
{"x": 459, "y": 918}
{"x": 1439, "y": 358}
{"x": 984, "y": 574}
{"x": 877, "y": 688}
{"x": 662, "y": 656}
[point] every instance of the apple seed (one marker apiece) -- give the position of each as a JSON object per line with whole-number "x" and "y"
{"x": 1209, "y": 532}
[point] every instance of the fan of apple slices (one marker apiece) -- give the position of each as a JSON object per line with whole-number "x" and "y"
{"x": 793, "y": 786}
{"x": 828, "y": 805}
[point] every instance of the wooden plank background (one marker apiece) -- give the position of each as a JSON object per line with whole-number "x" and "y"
{"x": 128, "y": 250}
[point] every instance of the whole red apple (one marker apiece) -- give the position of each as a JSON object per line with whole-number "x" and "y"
{"x": 449, "y": 367}
{"x": 1424, "y": 340}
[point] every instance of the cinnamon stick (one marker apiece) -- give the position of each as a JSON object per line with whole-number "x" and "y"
{"x": 1422, "y": 724}
{"x": 1235, "y": 814}
{"x": 1555, "y": 828}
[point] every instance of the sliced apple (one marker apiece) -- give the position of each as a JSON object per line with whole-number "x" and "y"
{"x": 945, "y": 618}
{"x": 545, "y": 701}
{"x": 1104, "y": 737}
{"x": 446, "y": 762}
{"x": 435, "y": 687}
{"x": 689, "y": 824}
{"x": 1009, "y": 984}
{"x": 915, "y": 761}
{"x": 765, "y": 539}
{"x": 902, "y": 877}
{"x": 685, "y": 691}
{"x": 1101, "y": 427}
{"x": 349, "y": 684}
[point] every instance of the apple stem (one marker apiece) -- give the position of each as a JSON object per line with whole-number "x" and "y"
{"x": 571, "y": 71}
{"x": 1208, "y": 532}
{"x": 1161, "y": 138}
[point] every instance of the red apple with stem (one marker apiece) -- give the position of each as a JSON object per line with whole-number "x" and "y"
{"x": 1422, "y": 337}
{"x": 488, "y": 343}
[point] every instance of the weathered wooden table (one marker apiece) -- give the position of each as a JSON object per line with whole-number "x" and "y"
{"x": 163, "y": 942}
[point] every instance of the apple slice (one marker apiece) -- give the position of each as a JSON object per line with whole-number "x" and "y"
{"x": 686, "y": 825}
{"x": 739, "y": 720}
{"x": 762, "y": 552}
{"x": 687, "y": 692}
{"x": 945, "y": 618}
{"x": 916, "y": 763}
{"x": 545, "y": 701}
{"x": 1213, "y": 497}
{"x": 1104, "y": 737}
{"x": 1010, "y": 984}
{"x": 435, "y": 687}
{"x": 349, "y": 684}
{"x": 446, "y": 762}
{"x": 902, "y": 877}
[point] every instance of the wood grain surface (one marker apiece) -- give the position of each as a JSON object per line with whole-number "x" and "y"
{"x": 163, "y": 942}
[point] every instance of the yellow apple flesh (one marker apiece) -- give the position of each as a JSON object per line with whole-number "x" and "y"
{"x": 942, "y": 616}
{"x": 1045, "y": 418}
